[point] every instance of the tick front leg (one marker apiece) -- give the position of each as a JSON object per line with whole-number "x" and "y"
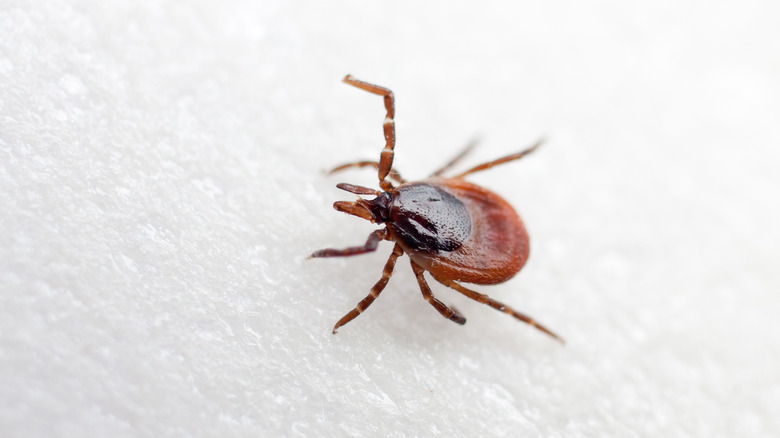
{"x": 440, "y": 307}
{"x": 386, "y": 158}
{"x": 370, "y": 245}
{"x": 482, "y": 298}
{"x": 387, "y": 272}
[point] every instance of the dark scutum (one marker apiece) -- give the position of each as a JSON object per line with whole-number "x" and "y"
{"x": 429, "y": 219}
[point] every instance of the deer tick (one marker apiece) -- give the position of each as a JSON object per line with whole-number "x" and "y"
{"x": 455, "y": 230}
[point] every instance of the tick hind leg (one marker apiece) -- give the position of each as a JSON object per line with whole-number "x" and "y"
{"x": 456, "y": 159}
{"x": 502, "y": 160}
{"x": 387, "y": 272}
{"x": 482, "y": 298}
{"x": 386, "y": 157}
{"x": 447, "y": 312}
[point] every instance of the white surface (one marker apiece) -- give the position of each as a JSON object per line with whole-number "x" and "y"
{"x": 161, "y": 184}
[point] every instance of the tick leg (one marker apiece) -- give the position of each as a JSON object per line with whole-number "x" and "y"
{"x": 370, "y": 245}
{"x": 466, "y": 150}
{"x": 442, "y": 308}
{"x": 386, "y": 157}
{"x": 387, "y": 272}
{"x": 358, "y": 190}
{"x": 503, "y": 160}
{"x": 394, "y": 175}
{"x": 482, "y": 298}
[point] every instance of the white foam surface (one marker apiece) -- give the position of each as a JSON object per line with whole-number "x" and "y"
{"x": 161, "y": 183}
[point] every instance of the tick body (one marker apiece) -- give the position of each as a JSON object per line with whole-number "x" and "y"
{"x": 455, "y": 230}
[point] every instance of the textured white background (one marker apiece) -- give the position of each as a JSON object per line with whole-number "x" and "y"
{"x": 161, "y": 184}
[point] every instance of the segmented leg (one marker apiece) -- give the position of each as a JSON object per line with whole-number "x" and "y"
{"x": 482, "y": 298}
{"x": 358, "y": 190}
{"x": 442, "y": 308}
{"x": 503, "y": 160}
{"x": 370, "y": 245}
{"x": 466, "y": 150}
{"x": 394, "y": 175}
{"x": 387, "y": 272}
{"x": 386, "y": 157}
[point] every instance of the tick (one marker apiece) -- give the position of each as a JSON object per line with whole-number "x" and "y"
{"x": 455, "y": 230}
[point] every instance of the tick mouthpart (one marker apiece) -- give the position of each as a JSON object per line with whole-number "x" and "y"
{"x": 375, "y": 210}
{"x": 358, "y": 208}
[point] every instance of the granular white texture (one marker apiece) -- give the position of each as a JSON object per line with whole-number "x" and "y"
{"x": 162, "y": 182}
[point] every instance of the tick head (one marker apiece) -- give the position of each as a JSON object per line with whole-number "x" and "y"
{"x": 376, "y": 210}
{"x": 380, "y": 207}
